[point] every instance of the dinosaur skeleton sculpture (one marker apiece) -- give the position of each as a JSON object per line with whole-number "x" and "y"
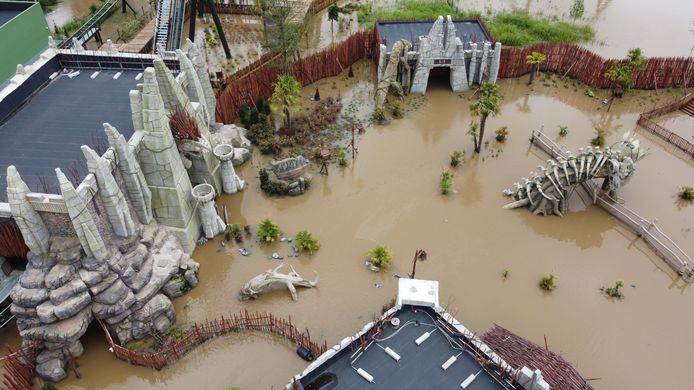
{"x": 547, "y": 190}
{"x": 259, "y": 283}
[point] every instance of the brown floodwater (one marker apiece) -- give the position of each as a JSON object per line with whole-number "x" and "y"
{"x": 661, "y": 28}
{"x": 390, "y": 195}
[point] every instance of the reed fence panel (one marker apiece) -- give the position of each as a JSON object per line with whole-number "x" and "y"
{"x": 256, "y": 80}
{"x": 584, "y": 65}
{"x": 201, "y": 333}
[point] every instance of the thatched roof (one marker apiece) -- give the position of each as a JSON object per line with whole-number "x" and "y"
{"x": 520, "y": 352}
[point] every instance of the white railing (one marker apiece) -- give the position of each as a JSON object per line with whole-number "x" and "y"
{"x": 649, "y": 231}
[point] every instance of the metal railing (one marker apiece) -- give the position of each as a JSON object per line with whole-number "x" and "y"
{"x": 91, "y": 26}
{"x": 663, "y": 245}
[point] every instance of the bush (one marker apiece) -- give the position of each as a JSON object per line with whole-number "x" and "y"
{"x": 501, "y": 133}
{"x": 342, "y": 157}
{"x": 456, "y": 158}
{"x": 563, "y": 130}
{"x": 599, "y": 139}
{"x": 260, "y": 131}
{"x": 306, "y": 241}
{"x": 686, "y": 193}
{"x": 268, "y": 231}
{"x": 577, "y": 9}
{"x": 380, "y": 256}
{"x": 548, "y": 283}
{"x": 263, "y": 106}
{"x": 396, "y": 109}
{"x": 264, "y": 178}
{"x": 379, "y": 114}
{"x": 614, "y": 291}
{"x": 446, "y": 181}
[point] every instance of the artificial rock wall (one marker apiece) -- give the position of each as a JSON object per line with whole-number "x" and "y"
{"x": 117, "y": 247}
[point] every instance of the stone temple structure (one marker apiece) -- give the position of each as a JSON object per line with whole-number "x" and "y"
{"x": 116, "y": 246}
{"x": 411, "y": 57}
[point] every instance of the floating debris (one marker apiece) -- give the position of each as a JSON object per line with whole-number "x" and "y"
{"x": 283, "y": 239}
{"x": 276, "y": 256}
{"x": 397, "y": 276}
{"x": 289, "y": 239}
{"x": 378, "y": 285}
{"x": 244, "y": 252}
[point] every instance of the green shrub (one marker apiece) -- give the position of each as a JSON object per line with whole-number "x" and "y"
{"x": 456, "y": 158}
{"x": 446, "y": 181}
{"x": 268, "y": 231}
{"x": 244, "y": 115}
{"x": 599, "y": 139}
{"x": 380, "y": 256}
{"x": 615, "y": 291}
{"x": 563, "y": 130}
{"x": 396, "y": 109}
{"x": 260, "y": 131}
{"x": 379, "y": 114}
{"x": 306, "y": 241}
{"x": 264, "y": 178}
{"x": 548, "y": 283}
{"x": 687, "y": 193}
{"x": 501, "y": 133}
{"x": 342, "y": 157}
{"x": 577, "y": 9}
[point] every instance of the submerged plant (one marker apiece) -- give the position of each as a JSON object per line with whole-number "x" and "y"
{"x": 599, "y": 139}
{"x": 306, "y": 241}
{"x": 379, "y": 114}
{"x": 563, "y": 130}
{"x": 501, "y": 133}
{"x": 614, "y": 291}
{"x": 548, "y": 283}
{"x": 380, "y": 256}
{"x": 506, "y": 273}
{"x": 446, "y": 181}
{"x": 342, "y": 157}
{"x": 456, "y": 158}
{"x": 396, "y": 109}
{"x": 268, "y": 231}
{"x": 686, "y": 193}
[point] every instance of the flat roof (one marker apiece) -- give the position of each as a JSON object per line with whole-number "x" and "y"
{"x": 468, "y": 30}
{"x": 10, "y": 9}
{"x": 48, "y": 130}
{"x": 419, "y": 366}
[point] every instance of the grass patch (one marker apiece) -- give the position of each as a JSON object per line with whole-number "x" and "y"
{"x": 515, "y": 28}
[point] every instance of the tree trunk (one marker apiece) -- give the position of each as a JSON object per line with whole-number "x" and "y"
{"x": 483, "y": 122}
{"x": 287, "y": 114}
{"x": 532, "y": 74}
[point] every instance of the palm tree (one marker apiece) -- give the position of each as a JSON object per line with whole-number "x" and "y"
{"x": 286, "y": 97}
{"x": 534, "y": 59}
{"x": 489, "y": 103}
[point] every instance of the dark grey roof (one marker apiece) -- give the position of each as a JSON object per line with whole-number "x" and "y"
{"x": 47, "y": 132}
{"x": 419, "y": 366}
{"x": 468, "y": 30}
{"x": 9, "y": 10}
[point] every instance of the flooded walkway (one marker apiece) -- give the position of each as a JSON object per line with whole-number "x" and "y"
{"x": 390, "y": 196}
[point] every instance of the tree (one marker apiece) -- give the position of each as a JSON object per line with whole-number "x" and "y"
{"x": 489, "y": 103}
{"x": 333, "y": 15}
{"x": 280, "y": 32}
{"x": 534, "y": 59}
{"x": 621, "y": 73}
{"x": 286, "y": 97}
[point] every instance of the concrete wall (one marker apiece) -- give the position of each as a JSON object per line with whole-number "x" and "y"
{"x": 22, "y": 38}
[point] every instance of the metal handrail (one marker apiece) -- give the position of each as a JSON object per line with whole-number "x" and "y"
{"x": 104, "y": 11}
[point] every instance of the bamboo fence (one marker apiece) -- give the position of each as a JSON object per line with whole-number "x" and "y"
{"x": 19, "y": 368}
{"x": 590, "y": 68}
{"x": 257, "y": 79}
{"x": 12, "y": 243}
{"x": 662, "y": 132}
{"x": 519, "y": 352}
{"x": 201, "y": 333}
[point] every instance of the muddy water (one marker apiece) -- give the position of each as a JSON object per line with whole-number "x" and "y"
{"x": 67, "y": 10}
{"x": 662, "y": 28}
{"x": 389, "y": 195}
{"x": 679, "y": 123}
